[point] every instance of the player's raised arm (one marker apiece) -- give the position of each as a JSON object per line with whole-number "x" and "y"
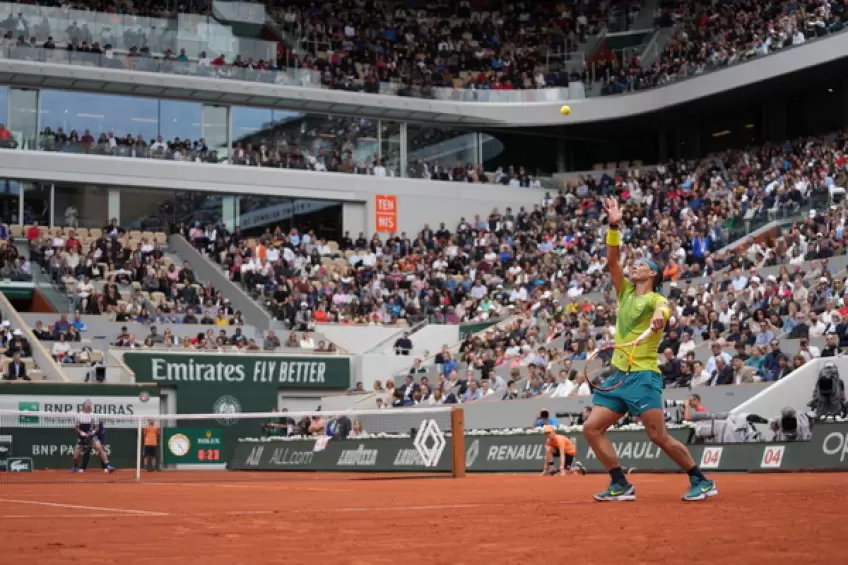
{"x": 613, "y": 242}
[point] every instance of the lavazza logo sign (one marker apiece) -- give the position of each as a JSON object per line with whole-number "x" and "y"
{"x": 359, "y": 457}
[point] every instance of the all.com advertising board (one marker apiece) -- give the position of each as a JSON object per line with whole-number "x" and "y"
{"x": 525, "y": 453}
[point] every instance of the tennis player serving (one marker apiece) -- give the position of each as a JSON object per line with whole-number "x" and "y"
{"x": 635, "y": 386}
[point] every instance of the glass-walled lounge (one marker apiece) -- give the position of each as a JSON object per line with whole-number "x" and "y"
{"x": 93, "y": 206}
{"x": 188, "y": 33}
{"x": 138, "y": 127}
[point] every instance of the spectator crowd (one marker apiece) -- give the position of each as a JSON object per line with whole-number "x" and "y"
{"x": 714, "y": 34}
{"x": 352, "y": 45}
{"x": 510, "y": 261}
{"x": 384, "y": 46}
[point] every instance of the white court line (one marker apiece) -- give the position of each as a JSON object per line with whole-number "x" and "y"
{"x": 255, "y": 486}
{"x": 114, "y": 515}
{"x": 79, "y": 507}
{"x": 75, "y": 516}
{"x": 405, "y": 508}
{"x": 145, "y": 514}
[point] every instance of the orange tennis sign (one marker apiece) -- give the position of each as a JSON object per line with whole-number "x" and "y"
{"x": 386, "y": 213}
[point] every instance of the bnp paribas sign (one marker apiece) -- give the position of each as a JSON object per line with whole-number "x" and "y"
{"x": 228, "y": 383}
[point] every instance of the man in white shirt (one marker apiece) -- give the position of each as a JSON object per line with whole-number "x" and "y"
{"x": 369, "y": 259}
{"x": 817, "y": 327}
{"x": 754, "y": 249}
{"x": 563, "y": 389}
{"x": 687, "y": 344}
{"x": 807, "y": 351}
{"x": 306, "y": 342}
{"x": 717, "y": 351}
{"x": 726, "y": 315}
{"x": 581, "y": 387}
{"x": 496, "y": 382}
{"x": 272, "y": 254}
{"x": 518, "y": 295}
{"x": 700, "y": 377}
{"x": 158, "y": 145}
{"x": 83, "y": 291}
{"x": 740, "y": 281}
{"x": 478, "y": 291}
{"x": 485, "y": 388}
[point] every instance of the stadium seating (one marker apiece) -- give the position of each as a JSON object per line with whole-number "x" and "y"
{"x": 391, "y": 48}
{"x": 403, "y": 50}
{"x": 715, "y": 35}
{"x": 125, "y": 290}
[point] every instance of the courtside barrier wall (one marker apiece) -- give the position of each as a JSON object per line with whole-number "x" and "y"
{"x": 827, "y": 450}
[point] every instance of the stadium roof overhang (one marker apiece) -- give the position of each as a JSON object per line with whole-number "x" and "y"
{"x": 464, "y": 114}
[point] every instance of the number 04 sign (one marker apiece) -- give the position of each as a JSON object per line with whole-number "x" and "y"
{"x": 711, "y": 458}
{"x": 772, "y": 456}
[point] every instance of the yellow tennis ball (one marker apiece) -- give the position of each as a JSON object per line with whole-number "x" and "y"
{"x": 565, "y": 110}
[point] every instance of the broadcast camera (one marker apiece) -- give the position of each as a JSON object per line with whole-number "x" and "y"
{"x": 792, "y": 426}
{"x": 829, "y": 394}
{"x": 576, "y": 418}
{"x": 673, "y": 410}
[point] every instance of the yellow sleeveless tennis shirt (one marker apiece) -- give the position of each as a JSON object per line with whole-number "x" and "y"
{"x": 634, "y": 317}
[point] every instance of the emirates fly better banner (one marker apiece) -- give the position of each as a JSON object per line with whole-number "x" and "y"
{"x": 233, "y": 383}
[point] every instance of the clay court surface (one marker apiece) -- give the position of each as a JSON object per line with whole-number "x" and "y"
{"x": 480, "y": 519}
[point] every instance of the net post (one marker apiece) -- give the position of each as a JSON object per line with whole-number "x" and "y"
{"x": 138, "y": 432}
{"x": 458, "y": 442}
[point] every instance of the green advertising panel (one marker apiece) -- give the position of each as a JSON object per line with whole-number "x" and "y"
{"x": 229, "y": 384}
{"x": 193, "y": 446}
{"x": 338, "y": 455}
{"x": 53, "y": 448}
{"x": 828, "y": 449}
{"x": 495, "y": 453}
{"x": 5, "y": 450}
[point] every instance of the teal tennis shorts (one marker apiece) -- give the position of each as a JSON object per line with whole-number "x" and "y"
{"x": 641, "y": 391}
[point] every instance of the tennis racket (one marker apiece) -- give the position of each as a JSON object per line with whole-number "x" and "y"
{"x": 598, "y": 364}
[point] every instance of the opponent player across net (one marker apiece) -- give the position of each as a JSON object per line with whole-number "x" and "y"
{"x": 91, "y": 436}
{"x": 635, "y": 386}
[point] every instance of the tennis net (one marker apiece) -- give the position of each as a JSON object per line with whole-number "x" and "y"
{"x": 38, "y": 446}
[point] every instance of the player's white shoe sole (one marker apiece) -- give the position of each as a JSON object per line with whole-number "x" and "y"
{"x": 622, "y": 498}
{"x": 613, "y": 494}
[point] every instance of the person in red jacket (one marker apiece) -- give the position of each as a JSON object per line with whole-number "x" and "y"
{"x": 33, "y": 232}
